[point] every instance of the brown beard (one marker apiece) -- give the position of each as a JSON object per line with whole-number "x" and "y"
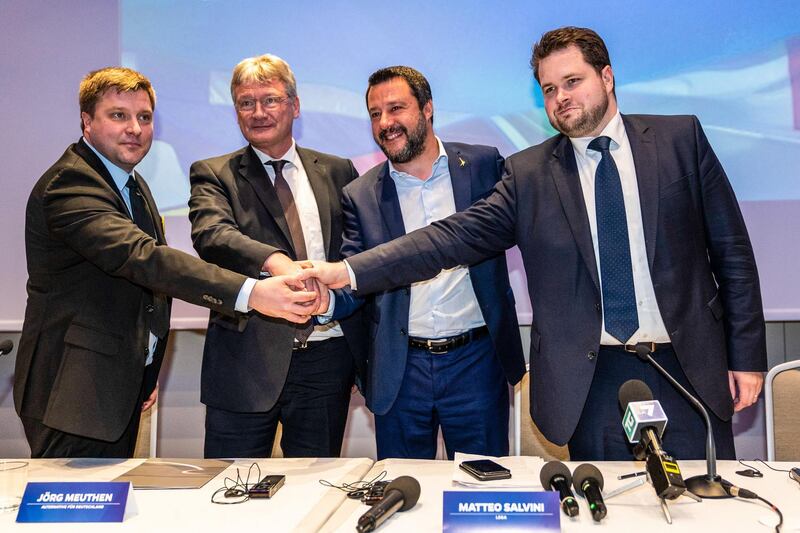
{"x": 415, "y": 142}
{"x": 586, "y": 123}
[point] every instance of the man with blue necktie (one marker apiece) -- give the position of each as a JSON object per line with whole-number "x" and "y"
{"x": 630, "y": 233}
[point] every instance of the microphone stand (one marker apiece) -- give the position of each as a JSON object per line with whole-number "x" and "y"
{"x": 638, "y": 482}
{"x": 710, "y": 484}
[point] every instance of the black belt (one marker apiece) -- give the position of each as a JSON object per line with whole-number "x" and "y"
{"x": 442, "y": 346}
{"x": 652, "y": 346}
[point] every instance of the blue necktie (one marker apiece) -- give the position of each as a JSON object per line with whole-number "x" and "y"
{"x": 616, "y": 274}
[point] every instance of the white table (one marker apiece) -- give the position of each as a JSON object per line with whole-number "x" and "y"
{"x": 636, "y": 510}
{"x": 303, "y": 504}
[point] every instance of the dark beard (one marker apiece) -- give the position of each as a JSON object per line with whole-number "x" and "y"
{"x": 586, "y": 123}
{"x": 415, "y": 142}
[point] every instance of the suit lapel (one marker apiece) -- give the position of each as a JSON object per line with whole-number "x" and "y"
{"x": 86, "y": 153}
{"x": 645, "y": 160}
{"x": 389, "y": 204}
{"x": 321, "y": 185}
{"x": 460, "y": 176}
{"x": 568, "y": 184}
{"x": 253, "y": 172}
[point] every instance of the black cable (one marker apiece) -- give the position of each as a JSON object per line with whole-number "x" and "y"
{"x": 356, "y": 489}
{"x": 774, "y": 508}
{"x": 238, "y": 487}
{"x": 751, "y": 471}
{"x": 770, "y": 467}
{"x": 740, "y": 492}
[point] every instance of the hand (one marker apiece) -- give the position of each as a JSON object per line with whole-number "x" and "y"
{"x": 745, "y": 388}
{"x": 323, "y": 300}
{"x": 334, "y": 275}
{"x": 148, "y": 403}
{"x": 323, "y": 295}
{"x": 283, "y": 297}
{"x": 279, "y": 264}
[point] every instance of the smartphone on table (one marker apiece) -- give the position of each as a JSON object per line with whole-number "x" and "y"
{"x": 485, "y": 470}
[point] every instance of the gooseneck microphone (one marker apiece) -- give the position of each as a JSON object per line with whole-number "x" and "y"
{"x": 644, "y": 422}
{"x": 6, "y": 346}
{"x": 400, "y": 495}
{"x": 588, "y": 482}
{"x": 709, "y": 485}
{"x": 555, "y": 475}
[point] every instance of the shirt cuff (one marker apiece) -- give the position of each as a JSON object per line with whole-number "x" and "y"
{"x": 352, "y": 276}
{"x": 242, "y": 301}
{"x": 324, "y": 318}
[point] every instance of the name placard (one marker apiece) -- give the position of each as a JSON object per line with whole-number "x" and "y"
{"x": 488, "y": 510}
{"x": 77, "y": 502}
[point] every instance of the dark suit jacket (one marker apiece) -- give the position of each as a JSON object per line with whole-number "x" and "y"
{"x": 237, "y": 222}
{"x": 97, "y": 285}
{"x": 700, "y": 258}
{"x": 373, "y": 216}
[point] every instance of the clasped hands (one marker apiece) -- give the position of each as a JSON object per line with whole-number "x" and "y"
{"x": 295, "y": 290}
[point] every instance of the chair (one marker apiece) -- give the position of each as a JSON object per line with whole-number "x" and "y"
{"x": 782, "y": 392}
{"x": 529, "y": 440}
{"x": 146, "y": 440}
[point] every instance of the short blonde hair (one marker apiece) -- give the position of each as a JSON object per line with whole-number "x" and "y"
{"x": 262, "y": 69}
{"x": 121, "y": 79}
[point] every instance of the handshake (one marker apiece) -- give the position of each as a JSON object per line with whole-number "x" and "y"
{"x": 296, "y": 290}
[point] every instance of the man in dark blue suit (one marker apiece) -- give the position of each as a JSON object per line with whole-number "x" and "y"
{"x": 630, "y": 233}
{"x": 442, "y": 351}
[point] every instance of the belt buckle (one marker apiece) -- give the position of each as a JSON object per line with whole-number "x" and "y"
{"x": 632, "y": 347}
{"x": 300, "y": 345}
{"x": 436, "y": 348}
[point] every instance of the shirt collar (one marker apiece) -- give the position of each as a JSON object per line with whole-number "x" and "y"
{"x": 440, "y": 160}
{"x": 290, "y": 156}
{"x": 615, "y": 129}
{"x": 119, "y": 176}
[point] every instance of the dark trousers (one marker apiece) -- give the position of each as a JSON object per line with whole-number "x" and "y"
{"x": 464, "y": 391}
{"x": 599, "y": 435}
{"x": 312, "y": 408}
{"x": 46, "y": 442}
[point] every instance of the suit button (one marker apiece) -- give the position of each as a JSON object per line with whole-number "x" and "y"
{"x": 149, "y": 308}
{"x": 146, "y": 350}
{"x": 591, "y": 355}
{"x": 402, "y": 331}
{"x": 597, "y": 307}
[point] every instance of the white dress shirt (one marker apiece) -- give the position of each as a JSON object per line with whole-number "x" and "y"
{"x": 295, "y": 175}
{"x": 446, "y": 304}
{"x": 651, "y": 325}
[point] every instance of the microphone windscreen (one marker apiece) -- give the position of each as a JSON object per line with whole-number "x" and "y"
{"x": 410, "y": 489}
{"x": 6, "y": 346}
{"x": 552, "y": 469}
{"x": 634, "y": 390}
{"x": 584, "y": 472}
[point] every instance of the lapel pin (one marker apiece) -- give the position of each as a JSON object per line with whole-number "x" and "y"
{"x": 461, "y": 162}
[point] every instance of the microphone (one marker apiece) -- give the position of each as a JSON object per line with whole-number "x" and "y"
{"x": 400, "y": 495}
{"x": 6, "y": 346}
{"x": 709, "y": 485}
{"x": 588, "y": 482}
{"x": 644, "y": 422}
{"x": 555, "y": 475}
